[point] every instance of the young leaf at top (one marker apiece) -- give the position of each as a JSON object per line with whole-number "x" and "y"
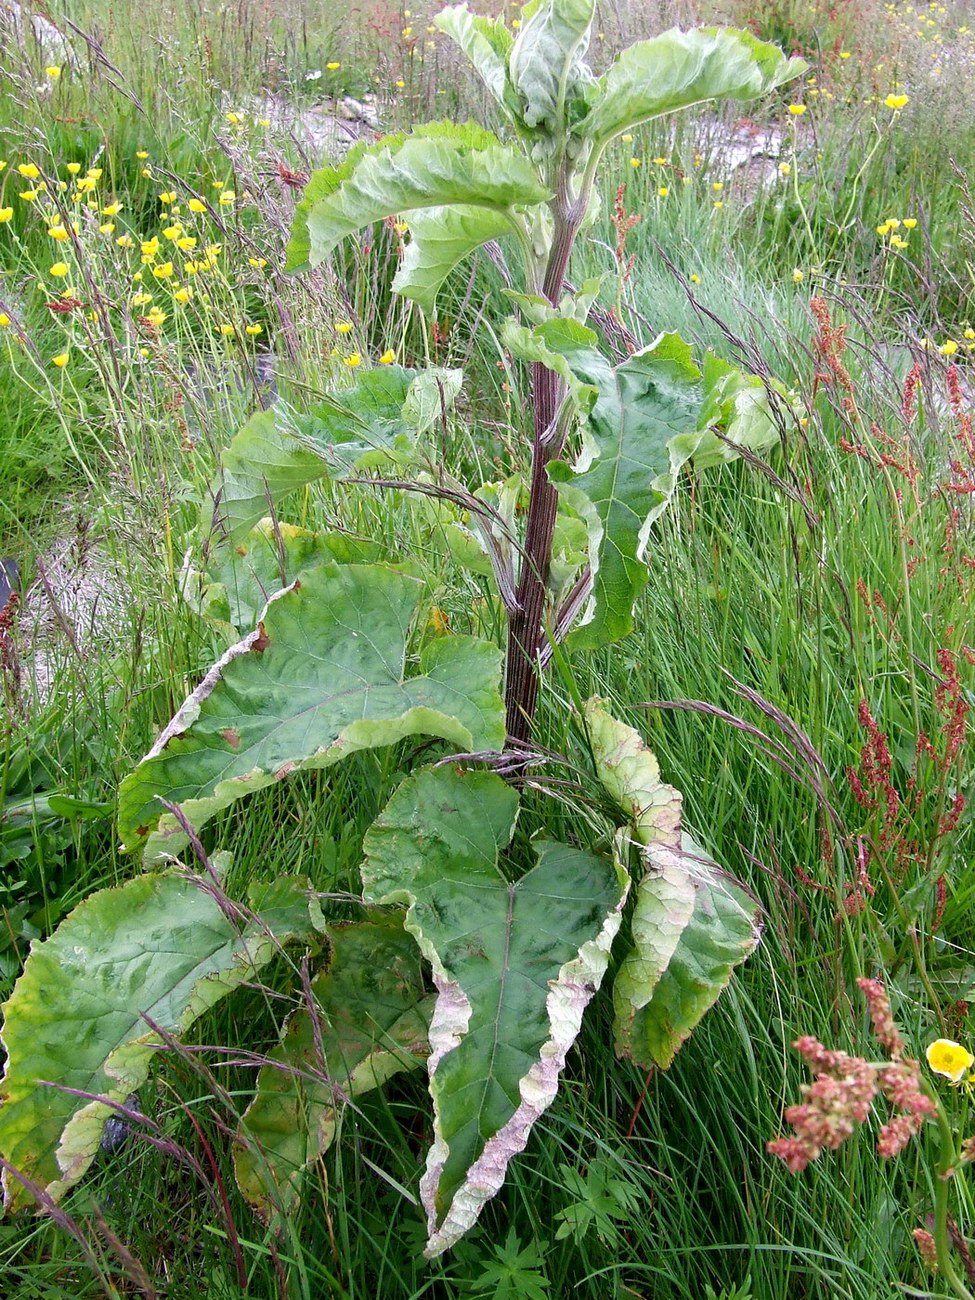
{"x": 515, "y": 964}
{"x": 679, "y": 69}
{"x": 487, "y": 43}
{"x": 323, "y": 675}
{"x": 371, "y": 1018}
{"x": 160, "y": 944}
{"x": 546, "y": 65}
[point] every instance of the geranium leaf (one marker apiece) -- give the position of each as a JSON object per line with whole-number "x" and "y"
{"x": 323, "y": 675}
{"x": 515, "y": 964}
{"x": 161, "y": 944}
{"x": 369, "y": 1021}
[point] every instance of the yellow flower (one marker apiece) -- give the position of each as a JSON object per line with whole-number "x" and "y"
{"x": 785, "y": 168}
{"x": 168, "y": 197}
{"x": 6, "y": 214}
{"x": 164, "y": 271}
{"x": 896, "y": 101}
{"x": 797, "y": 110}
{"x": 125, "y": 241}
{"x": 389, "y": 357}
{"x": 401, "y": 84}
{"x": 106, "y": 227}
{"x": 53, "y": 73}
{"x": 897, "y": 242}
{"x": 142, "y": 153}
{"x": 233, "y": 118}
{"x": 910, "y": 223}
{"x": 197, "y": 206}
{"x": 94, "y": 173}
{"x": 228, "y": 329}
{"x": 59, "y": 270}
{"x": 58, "y": 232}
{"x": 186, "y": 243}
{"x": 4, "y": 320}
{"x": 112, "y": 209}
{"x": 29, "y": 195}
{"x": 258, "y": 263}
{"x": 61, "y": 360}
{"x": 29, "y": 171}
{"x": 190, "y": 268}
{"x": 844, "y": 54}
{"x": 627, "y": 139}
{"x": 333, "y": 67}
{"x": 634, "y": 162}
{"x": 353, "y": 359}
{"x": 173, "y": 232}
{"x": 263, "y": 121}
{"x": 969, "y": 333}
{"x": 660, "y": 162}
{"x": 694, "y": 278}
{"x": 719, "y": 203}
{"x": 150, "y": 247}
{"x": 141, "y": 299}
{"x": 798, "y": 275}
{"x": 343, "y": 327}
{"x": 74, "y": 168}
{"x": 183, "y": 295}
{"x": 86, "y": 184}
{"x": 253, "y": 329}
{"x": 663, "y": 191}
{"x": 949, "y": 1058}
{"x": 948, "y": 350}
{"x": 147, "y": 171}
{"x": 717, "y": 185}
{"x": 227, "y": 199}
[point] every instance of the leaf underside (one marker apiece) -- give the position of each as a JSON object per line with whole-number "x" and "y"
{"x": 323, "y": 675}
{"x": 159, "y": 945}
{"x": 515, "y": 964}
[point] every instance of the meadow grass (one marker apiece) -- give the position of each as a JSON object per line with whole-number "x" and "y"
{"x": 786, "y": 595}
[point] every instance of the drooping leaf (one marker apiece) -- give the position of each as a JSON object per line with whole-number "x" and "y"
{"x": 665, "y": 892}
{"x": 278, "y": 451}
{"x": 422, "y": 173}
{"x": 323, "y": 675}
{"x": 160, "y": 945}
{"x": 679, "y": 69}
{"x": 627, "y": 472}
{"x": 546, "y": 66}
{"x": 725, "y": 927}
{"x": 370, "y": 1021}
{"x": 326, "y": 180}
{"x": 738, "y": 404}
{"x": 440, "y": 238}
{"x": 515, "y": 965}
{"x": 240, "y": 580}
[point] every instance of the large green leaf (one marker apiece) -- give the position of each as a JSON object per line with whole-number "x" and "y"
{"x": 370, "y": 1021}
{"x": 665, "y": 893}
{"x": 240, "y": 580}
{"x": 724, "y": 928}
{"x": 641, "y": 407}
{"x": 440, "y": 238}
{"x": 323, "y": 675}
{"x": 278, "y": 451}
{"x": 545, "y": 65}
{"x": 160, "y": 945}
{"x": 515, "y": 964}
{"x": 422, "y": 173}
{"x": 692, "y": 923}
{"x": 679, "y": 69}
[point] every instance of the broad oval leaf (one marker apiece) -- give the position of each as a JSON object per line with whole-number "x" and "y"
{"x": 369, "y": 1021}
{"x": 679, "y": 69}
{"x": 515, "y": 964}
{"x": 161, "y": 945}
{"x": 323, "y": 675}
{"x": 422, "y": 173}
{"x": 545, "y": 65}
{"x": 279, "y": 451}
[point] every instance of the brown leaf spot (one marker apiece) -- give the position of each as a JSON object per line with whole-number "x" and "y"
{"x": 285, "y": 770}
{"x": 262, "y": 641}
{"x": 231, "y": 737}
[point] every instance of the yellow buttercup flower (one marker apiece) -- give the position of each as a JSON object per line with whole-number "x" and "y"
{"x": 74, "y": 168}
{"x": 142, "y": 153}
{"x": 58, "y": 232}
{"x": 61, "y": 360}
{"x": 353, "y": 359}
{"x": 164, "y": 271}
{"x": 343, "y": 327}
{"x": 254, "y": 329}
{"x": 227, "y": 330}
{"x": 59, "y": 270}
{"x": 125, "y": 241}
{"x": 186, "y": 243}
{"x": 168, "y": 197}
{"x": 173, "y": 232}
{"x": 387, "y": 358}
{"x": 949, "y": 348}
{"x": 29, "y": 171}
{"x": 112, "y": 209}
{"x": 53, "y": 72}
{"x": 798, "y": 276}
{"x": 258, "y": 263}
{"x": 910, "y": 223}
{"x": 197, "y": 206}
{"x": 949, "y": 1058}
{"x": 4, "y": 320}
{"x": 333, "y": 67}
{"x": 227, "y": 199}
{"x": 141, "y": 299}
{"x": 896, "y": 101}
{"x": 183, "y": 295}
{"x": 107, "y": 227}
{"x": 634, "y": 162}
{"x": 29, "y": 195}
{"x": 6, "y": 214}
{"x": 663, "y": 191}
{"x": 797, "y": 110}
